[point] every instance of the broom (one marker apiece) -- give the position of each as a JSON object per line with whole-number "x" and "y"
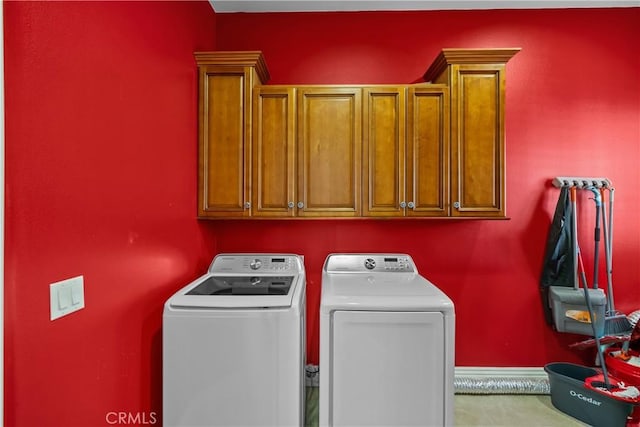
{"x": 592, "y": 314}
{"x": 615, "y": 323}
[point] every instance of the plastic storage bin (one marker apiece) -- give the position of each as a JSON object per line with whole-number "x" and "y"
{"x": 571, "y": 396}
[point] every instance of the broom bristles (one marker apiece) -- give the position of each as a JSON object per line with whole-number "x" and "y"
{"x": 617, "y": 324}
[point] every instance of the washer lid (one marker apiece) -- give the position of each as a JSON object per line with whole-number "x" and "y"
{"x": 238, "y": 291}
{"x": 243, "y": 285}
{"x": 382, "y": 291}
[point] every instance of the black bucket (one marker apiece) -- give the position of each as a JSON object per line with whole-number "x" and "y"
{"x": 570, "y": 395}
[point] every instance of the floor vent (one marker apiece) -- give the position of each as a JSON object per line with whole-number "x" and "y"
{"x": 471, "y": 380}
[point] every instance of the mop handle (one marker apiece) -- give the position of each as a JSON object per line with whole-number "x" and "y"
{"x": 607, "y": 252}
{"x": 596, "y": 237}
{"x": 611, "y": 189}
{"x": 574, "y": 232}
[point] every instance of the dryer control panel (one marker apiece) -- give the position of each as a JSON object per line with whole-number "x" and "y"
{"x": 256, "y": 263}
{"x": 365, "y": 263}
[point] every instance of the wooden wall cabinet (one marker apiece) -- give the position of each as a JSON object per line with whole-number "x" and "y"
{"x": 275, "y": 172}
{"x": 329, "y": 151}
{"x": 432, "y": 149}
{"x": 428, "y": 151}
{"x": 384, "y": 151}
{"x": 307, "y": 151}
{"x": 406, "y": 143}
{"x": 226, "y": 81}
{"x": 476, "y": 80}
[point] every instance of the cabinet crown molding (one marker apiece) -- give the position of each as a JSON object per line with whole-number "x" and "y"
{"x": 468, "y": 56}
{"x": 236, "y": 58}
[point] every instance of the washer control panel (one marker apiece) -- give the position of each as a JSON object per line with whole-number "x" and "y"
{"x": 253, "y": 263}
{"x": 401, "y": 263}
{"x": 280, "y": 263}
{"x": 397, "y": 264}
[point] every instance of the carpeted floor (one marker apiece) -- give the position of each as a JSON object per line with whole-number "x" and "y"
{"x": 486, "y": 411}
{"x": 509, "y": 410}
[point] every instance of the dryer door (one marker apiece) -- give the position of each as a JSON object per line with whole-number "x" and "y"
{"x": 387, "y": 369}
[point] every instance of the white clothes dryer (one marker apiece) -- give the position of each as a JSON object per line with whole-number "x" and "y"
{"x": 234, "y": 344}
{"x": 386, "y": 344}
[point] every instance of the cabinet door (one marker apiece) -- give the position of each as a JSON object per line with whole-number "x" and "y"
{"x": 329, "y": 151}
{"x": 224, "y": 157}
{"x": 383, "y": 161}
{"x": 477, "y": 166}
{"x": 427, "y": 151}
{"x": 274, "y": 156}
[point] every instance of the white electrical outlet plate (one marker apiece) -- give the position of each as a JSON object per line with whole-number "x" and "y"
{"x": 66, "y": 296}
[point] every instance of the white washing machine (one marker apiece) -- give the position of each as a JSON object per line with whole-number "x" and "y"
{"x": 386, "y": 344}
{"x": 234, "y": 344}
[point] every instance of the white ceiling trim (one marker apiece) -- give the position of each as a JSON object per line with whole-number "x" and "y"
{"x": 233, "y": 6}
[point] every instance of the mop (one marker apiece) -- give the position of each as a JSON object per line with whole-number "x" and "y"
{"x": 616, "y": 389}
{"x": 618, "y": 327}
{"x": 602, "y": 383}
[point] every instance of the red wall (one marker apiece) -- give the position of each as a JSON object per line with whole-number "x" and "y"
{"x": 573, "y": 105}
{"x": 101, "y": 161}
{"x": 101, "y": 179}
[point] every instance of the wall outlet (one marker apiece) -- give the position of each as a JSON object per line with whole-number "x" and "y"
{"x": 66, "y": 296}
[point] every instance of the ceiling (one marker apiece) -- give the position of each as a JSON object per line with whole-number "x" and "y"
{"x": 231, "y": 6}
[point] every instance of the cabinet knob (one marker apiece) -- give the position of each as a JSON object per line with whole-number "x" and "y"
{"x": 403, "y": 205}
{"x": 456, "y": 205}
{"x": 411, "y": 205}
{"x": 247, "y": 205}
{"x": 300, "y": 205}
{"x": 290, "y": 205}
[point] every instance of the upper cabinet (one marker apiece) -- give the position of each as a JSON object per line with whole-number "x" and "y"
{"x": 226, "y": 81}
{"x": 306, "y": 152}
{"x": 432, "y": 149}
{"x": 274, "y": 153}
{"x": 384, "y": 151}
{"x": 405, "y": 151}
{"x": 476, "y": 80}
{"x": 329, "y": 151}
{"x": 428, "y": 151}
